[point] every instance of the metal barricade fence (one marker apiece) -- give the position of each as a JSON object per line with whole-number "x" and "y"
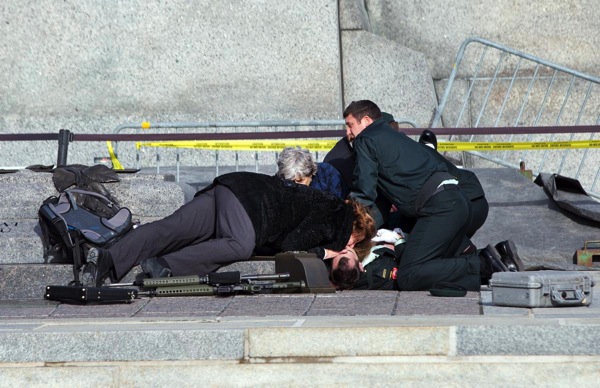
{"x": 224, "y": 155}
{"x": 492, "y": 85}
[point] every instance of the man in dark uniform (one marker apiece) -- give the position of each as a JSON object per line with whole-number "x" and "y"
{"x": 421, "y": 187}
{"x": 468, "y": 183}
{"x": 341, "y": 156}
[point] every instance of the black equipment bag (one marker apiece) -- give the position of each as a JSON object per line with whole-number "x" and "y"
{"x": 77, "y": 220}
{"x": 85, "y": 295}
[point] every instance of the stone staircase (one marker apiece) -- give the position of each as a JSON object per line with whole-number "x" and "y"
{"x": 448, "y": 351}
{"x": 23, "y": 272}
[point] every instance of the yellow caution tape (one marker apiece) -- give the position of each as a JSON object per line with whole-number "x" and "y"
{"x": 113, "y": 158}
{"x": 507, "y": 146}
{"x": 245, "y": 145}
{"x": 317, "y": 145}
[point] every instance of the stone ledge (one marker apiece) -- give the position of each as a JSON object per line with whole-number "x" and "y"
{"x": 356, "y": 371}
{"x": 60, "y": 340}
{"x": 144, "y": 194}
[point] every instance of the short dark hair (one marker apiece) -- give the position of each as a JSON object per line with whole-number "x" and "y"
{"x": 362, "y": 108}
{"x": 346, "y": 274}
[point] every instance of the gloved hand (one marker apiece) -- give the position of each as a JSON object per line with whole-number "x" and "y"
{"x": 388, "y": 236}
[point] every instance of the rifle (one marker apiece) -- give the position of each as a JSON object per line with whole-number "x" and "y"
{"x": 215, "y": 279}
{"x": 219, "y": 283}
{"x": 229, "y": 289}
{"x": 224, "y": 283}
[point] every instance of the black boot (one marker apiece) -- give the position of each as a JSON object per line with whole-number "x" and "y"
{"x": 99, "y": 267}
{"x": 510, "y": 258}
{"x": 155, "y": 267}
{"x": 428, "y": 138}
{"x": 490, "y": 262}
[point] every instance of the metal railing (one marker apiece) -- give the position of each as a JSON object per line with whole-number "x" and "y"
{"x": 492, "y": 85}
{"x": 234, "y": 158}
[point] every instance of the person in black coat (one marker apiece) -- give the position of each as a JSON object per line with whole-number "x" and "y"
{"x": 342, "y": 157}
{"x": 420, "y": 186}
{"x": 238, "y": 215}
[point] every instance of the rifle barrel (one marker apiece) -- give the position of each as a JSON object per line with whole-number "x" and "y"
{"x": 276, "y": 276}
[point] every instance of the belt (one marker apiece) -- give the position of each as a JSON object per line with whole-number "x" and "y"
{"x": 434, "y": 181}
{"x": 440, "y": 188}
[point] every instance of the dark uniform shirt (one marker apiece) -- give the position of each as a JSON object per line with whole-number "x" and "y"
{"x": 393, "y": 163}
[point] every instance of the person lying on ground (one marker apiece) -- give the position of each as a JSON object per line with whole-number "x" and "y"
{"x": 380, "y": 266}
{"x": 238, "y": 215}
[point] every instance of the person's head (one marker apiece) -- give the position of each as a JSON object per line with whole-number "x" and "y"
{"x": 345, "y": 265}
{"x": 345, "y": 269}
{"x": 296, "y": 164}
{"x": 359, "y": 115}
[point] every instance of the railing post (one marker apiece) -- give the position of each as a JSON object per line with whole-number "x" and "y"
{"x": 64, "y": 137}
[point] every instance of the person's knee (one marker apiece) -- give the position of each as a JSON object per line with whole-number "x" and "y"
{"x": 243, "y": 250}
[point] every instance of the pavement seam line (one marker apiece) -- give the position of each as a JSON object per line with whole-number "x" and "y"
{"x": 312, "y": 302}
{"x": 225, "y": 306}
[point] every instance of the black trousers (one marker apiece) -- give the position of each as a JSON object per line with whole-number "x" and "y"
{"x": 431, "y": 252}
{"x": 208, "y": 232}
{"x": 479, "y": 212}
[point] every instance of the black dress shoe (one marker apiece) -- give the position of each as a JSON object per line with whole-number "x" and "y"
{"x": 510, "y": 258}
{"x": 99, "y": 267}
{"x": 428, "y": 138}
{"x": 490, "y": 262}
{"x": 154, "y": 269}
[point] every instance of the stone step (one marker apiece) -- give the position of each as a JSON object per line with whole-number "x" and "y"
{"x": 146, "y": 195}
{"x": 353, "y": 351}
{"x": 21, "y": 241}
{"x": 28, "y": 281}
{"x": 556, "y": 371}
{"x": 238, "y": 338}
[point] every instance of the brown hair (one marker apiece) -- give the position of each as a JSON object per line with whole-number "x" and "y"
{"x": 364, "y": 225}
{"x": 362, "y": 108}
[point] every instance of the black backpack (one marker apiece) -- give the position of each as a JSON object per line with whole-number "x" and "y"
{"x": 78, "y": 220}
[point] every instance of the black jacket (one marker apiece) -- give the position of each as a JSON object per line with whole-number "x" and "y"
{"x": 341, "y": 156}
{"x": 290, "y": 217}
{"x": 467, "y": 180}
{"x": 396, "y": 165}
